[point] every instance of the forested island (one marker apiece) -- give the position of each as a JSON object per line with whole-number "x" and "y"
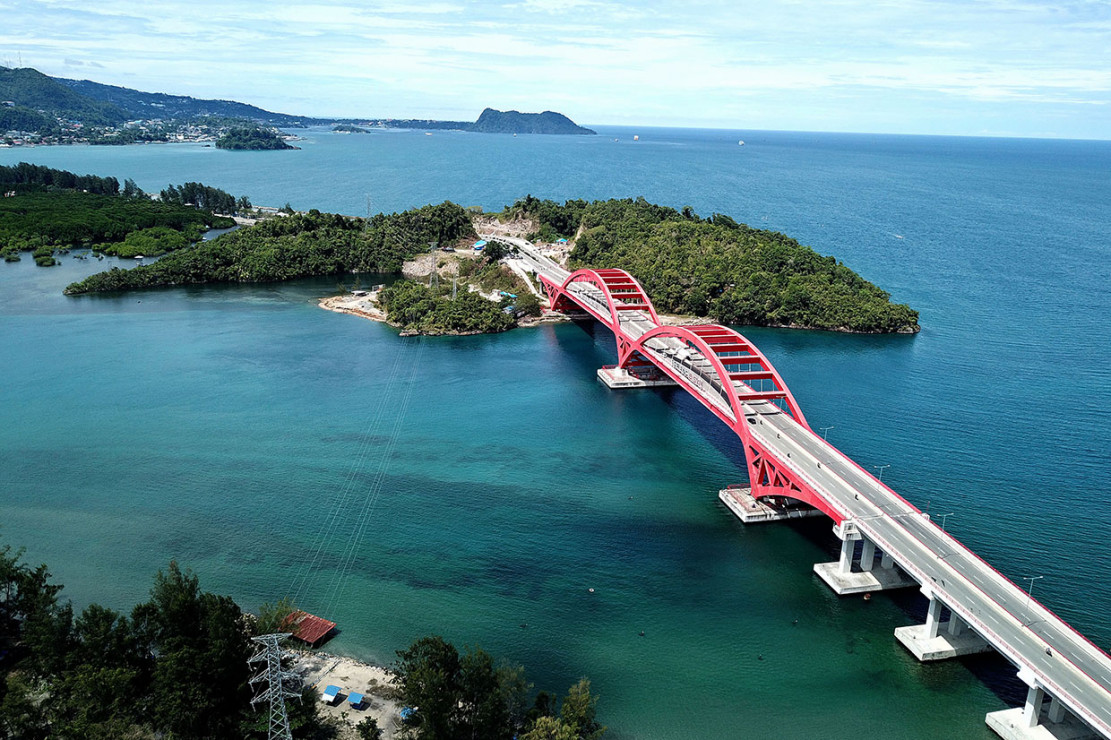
{"x": 177, "y": 666}
{"x": 252, "y": 138}
{"x": 703, "y": 267}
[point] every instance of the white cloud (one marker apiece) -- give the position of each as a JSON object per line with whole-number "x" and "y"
{"x": 704, "y": 62}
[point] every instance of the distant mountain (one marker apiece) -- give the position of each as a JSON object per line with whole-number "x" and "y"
{"x": 168, "y": 107}
{"x": 37, "y": 98}
{"x": 31, "y": 90}
{"x": 512, "y": 122}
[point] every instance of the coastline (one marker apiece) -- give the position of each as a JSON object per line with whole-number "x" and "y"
{"x": 365, "y": 307}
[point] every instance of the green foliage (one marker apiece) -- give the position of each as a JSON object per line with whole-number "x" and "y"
{"x": 528, "y": 304}
{"x": 19, "y": 118}
{"x": 550, "y": 728}
{"x": 251, "y": 137}
{"x": 148, "y": 242}
{"x": 30, "y": 88}
{"x": 42, "y": 220}
{"x": 202, "y": 196}
{"x": 272, "y": 617}
{"x": 716, "y": 267}
{"x": 455, "y": 696}
{"x": 177, "y": 667}
{"x": 25, "y": 176}
{"x": 368, "y": 729}
{"x": 300, "y": 245}
{"x": 416, "y": 308}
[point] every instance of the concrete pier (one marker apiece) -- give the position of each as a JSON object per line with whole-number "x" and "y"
{"x": 937, "y": 640}
{"x": 619, "y": 378}
{"x": 750, "y": 510}
{"x": 841, "y": 577}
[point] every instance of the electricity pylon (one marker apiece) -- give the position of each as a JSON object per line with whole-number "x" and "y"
{"x": 279, "y": 683}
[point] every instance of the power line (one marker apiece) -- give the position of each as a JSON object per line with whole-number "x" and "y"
{"x": 279, "y": 683}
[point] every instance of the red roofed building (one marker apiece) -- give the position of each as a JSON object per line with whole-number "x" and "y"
{"x": 308, "y": 628}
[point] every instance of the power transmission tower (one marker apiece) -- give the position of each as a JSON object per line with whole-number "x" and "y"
{"x": 279, "y": 683}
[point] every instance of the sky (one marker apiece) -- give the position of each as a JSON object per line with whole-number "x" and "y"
{"x": 960, "y": 67}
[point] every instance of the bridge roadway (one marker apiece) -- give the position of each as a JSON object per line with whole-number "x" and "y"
{"x": 1046, "y": 650}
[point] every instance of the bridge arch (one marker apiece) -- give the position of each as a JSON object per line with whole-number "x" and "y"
{"x": 622, "y": 292}
{"x": 725, "y": 347}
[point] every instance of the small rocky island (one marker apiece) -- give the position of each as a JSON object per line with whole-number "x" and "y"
{"x": 513, "y": 122}
{"x": 252, "y": 138}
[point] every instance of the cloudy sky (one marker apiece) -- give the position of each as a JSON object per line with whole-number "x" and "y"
{"x": 976, "y": 67}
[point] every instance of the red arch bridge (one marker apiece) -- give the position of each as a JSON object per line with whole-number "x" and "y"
{"x": 886, "y": 542}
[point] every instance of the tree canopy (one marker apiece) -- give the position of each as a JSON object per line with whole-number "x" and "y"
{"x": 717, "y": 267}
{"x": 466, "y": 696}
{"x": 300, "y": 245}
{"x": 251, "y": 137}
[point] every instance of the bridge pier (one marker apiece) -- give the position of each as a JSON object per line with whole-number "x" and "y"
{"x": 840, "y": 575}
{"x": 928, "y": 642}
{"x": 752, "y": 510}
{"x": 1033, "y": 721}
{"x": 620, "y": 377}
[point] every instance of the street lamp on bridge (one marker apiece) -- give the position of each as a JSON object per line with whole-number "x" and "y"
{"x": 1029, "y": 596}
{"x": 825, "y": 430}
{"x": 943, "y": 518}
{"x": 881, "y": 469}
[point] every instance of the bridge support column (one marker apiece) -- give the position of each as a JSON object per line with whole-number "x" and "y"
{"x": 1032, "y": 722}
{"x": 933, "y": 618}
{"x": 927, "y": 642}
{"x": 1056, "y": 710}
{"x": 867, "y": 555}
{"x": 841, "y": 577}
{"x": 848, "y": 549}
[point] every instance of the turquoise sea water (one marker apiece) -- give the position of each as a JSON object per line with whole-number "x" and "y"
{"x": 470, "y": 486}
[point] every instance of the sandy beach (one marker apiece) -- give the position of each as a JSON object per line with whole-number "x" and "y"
{"x": 320, "y": 670}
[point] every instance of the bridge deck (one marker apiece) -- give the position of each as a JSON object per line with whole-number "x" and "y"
{"x": 1029, "y": 635}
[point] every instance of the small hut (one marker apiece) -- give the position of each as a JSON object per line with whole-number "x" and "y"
{"x": 309, "y": 628}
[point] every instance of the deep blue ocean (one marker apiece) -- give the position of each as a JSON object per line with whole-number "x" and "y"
{"x": 478, "y": 487}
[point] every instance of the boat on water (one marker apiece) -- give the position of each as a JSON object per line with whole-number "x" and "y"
{"x": 741, "y": 142}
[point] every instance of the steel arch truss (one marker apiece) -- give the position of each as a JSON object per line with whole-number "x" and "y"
{"x": 619, "y": 290}
{"x": 715, "y": 364}
{"x": 736, "y": 362}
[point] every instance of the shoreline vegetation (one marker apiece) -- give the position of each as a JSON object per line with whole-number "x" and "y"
{"x": 692, "y": 266}
{"x": 177, "y": 666}
{"x": 47, "y": 211}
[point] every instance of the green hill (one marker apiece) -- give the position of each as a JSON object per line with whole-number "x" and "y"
{"x": 32, "y": 90}
{"x": 513, "y": 122}
{"x": 147, "y": 105}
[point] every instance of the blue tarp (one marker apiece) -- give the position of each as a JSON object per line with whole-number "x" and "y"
{"x": 480, "y": 243}
{"x": 330, "y": 693}
{"x": 355, "y": 699}
{"x": 406, "y": 712}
